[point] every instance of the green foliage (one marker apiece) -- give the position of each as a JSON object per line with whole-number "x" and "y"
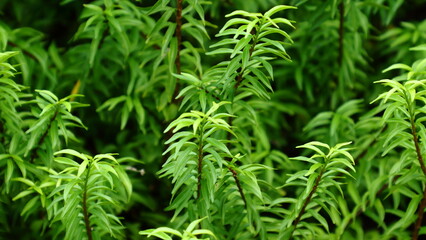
{"x": 82, "y": 195}
{"x": 90, "y": 192}
{"x": 404, "y": 119}
{"x": 204, "y": 101}
{"x": 317, "y": 194}
{"x": 195, "y": 157}
{"x": 190, "y": 232}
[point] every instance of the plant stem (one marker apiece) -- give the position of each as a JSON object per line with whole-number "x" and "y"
{"x": 21, "y": 49}
{"x": 367, "y": 202}
{"x": 212, "y": 94}
{"x": 2, "y": 133}
{"x": 341, "y": 30}
{"x": 200, "y": 162}
{"x": 416, "y": 145}
{"x": 308, "y": 200}
{"x": 237, "y": 181}
{"x": 178, "y": 34}
{"x": 43, "y": 137}
{"x": 239, "y": 77}
{"x": 419, "y": 216}
{"x": 234, "y": 173}
{"x": 411, "y": 111}
{"x": 85, "y": 213}
{"x": 238, "y": 80}
{"x": 374, "y": 141}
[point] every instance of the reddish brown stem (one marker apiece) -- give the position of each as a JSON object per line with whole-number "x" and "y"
{"x": 34, "y": 154}
{"x": 416, "y": 145}
{"x": 239, "y": 77}
{"x": 200, "y": 164}
{"x": 420, "y": 212}
{"x": 308, "y": 200}
{"x": 234, "y": 173}
{"x": 237, "y": 181}
{"x": 341, "y": 30}
{"x": 26, "y": 52}
{"x": 422, "y": 206}
{"x": 178, "y": 34}
{"x": 2, "y": 133}
{"x": 411, "y": 109}
{"x": 85, "y": 212}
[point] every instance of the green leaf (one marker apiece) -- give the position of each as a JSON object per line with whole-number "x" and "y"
{"x": 73, "y": 153}
{"x": 155, "y": 233}
{"x": 320, "y": 218}
{"x": 313, "y": 168}
{"x": 29, "y": 205}
{"x": 310, "y": 183}
{"x": 82, "y": 167}
{"x": 218, "y": 144}
{"x": 9, "y": 171}
{"x": 421, "y": 47}
{"x": 193, "y": 224}
{"x": 234, "y": 21}
{"x": 23, "y": 194}
{"x": 243, "y": 13}
{"x": 49, "y": 96}
{"x": 398, "y": 66}
{"x": 312, "y": 147}
{"x": 24, "y": 180}
{"x": 276, "y": 9}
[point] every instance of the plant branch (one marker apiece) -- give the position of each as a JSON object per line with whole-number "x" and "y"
{"x": 85, "y": 212}
{"x": 200, "y": 163}
{"x": 211, "y": 93}
{"x": 374, "y": 141}
{"x": 422, "y": 166}
{"x": 416, "y": 144}
{"x": 420, "y": 212}
{"x": 26, "y": 52}
{"x": 234, "y": 173}
{"x": 34, "y": 154}
{"x": 239, "y": 77}
{"x": 2, "y": 133}
{"x": 361, "y": 210}
{"x": 178, "y": 35}
{"x": 341, "y": 30}
{"x": 308, "y": 200}
{"x": 237, "y": 181}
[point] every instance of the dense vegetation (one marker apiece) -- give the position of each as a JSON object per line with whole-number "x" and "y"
{"x": 223, "y": 119}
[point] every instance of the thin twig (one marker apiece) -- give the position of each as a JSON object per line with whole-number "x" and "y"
{"x": 234, "y": 173}
{"x": 341, "y": 30}
{"x": 178, "y": 35}
{"x": 416, "y": 145}
{"x": 237, "y": 181}
{"x": 420, "y": 212}
{"x": 238, "y": 80}
{"x": 382, "y": 189}
{"x": 34, "y": 154}
{"x": 239, "y": 77}
{"x": 26, "y": 52}
{"x": 200, "y": 163}
{"x": 307, "y": 200}
{"x": 422, "y": 205}
{"x": 85, "y": 212}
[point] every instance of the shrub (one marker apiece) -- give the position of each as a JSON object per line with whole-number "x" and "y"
{"x": 190, "y": 113}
